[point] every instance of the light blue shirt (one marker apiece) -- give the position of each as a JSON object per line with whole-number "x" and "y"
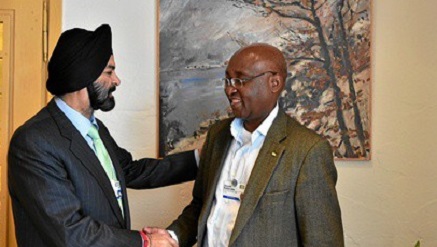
{"x": 79, "y": 121}
{"x": 238, "y": 166}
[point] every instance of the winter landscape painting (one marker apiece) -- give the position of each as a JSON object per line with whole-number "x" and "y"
{"x": 327, "y": 47}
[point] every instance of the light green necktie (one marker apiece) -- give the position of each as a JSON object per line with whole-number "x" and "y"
{"x": 105, "y": 160}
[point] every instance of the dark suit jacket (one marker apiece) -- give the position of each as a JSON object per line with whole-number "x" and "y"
{"x": 290, "y": 199}
{"x": 61, "y": 196}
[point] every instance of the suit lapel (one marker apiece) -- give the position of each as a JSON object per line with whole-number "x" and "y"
{"x": 263, "y": 169}
{"x": 220, "y": 150}
{"x": 88, "y": 159}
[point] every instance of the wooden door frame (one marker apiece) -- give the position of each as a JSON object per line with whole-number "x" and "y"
{"x": 54, "y": 31}
{"x": 7, "y": 18}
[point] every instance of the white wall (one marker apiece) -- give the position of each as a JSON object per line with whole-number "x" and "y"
{"x": 388, "y": 201}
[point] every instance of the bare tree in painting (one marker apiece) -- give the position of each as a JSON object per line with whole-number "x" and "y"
{"x": 307, "y": 11}
{"x": 343, "y": 43}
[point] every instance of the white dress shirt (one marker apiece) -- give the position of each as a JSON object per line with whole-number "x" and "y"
{"x": 236, "y": 172}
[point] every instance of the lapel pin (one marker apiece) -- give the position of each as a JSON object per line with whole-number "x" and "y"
{"x": 274, "y": 154}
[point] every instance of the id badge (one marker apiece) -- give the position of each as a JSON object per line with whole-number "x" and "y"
{"x": 233, "y": 190}
{"x": 117, "y": 188}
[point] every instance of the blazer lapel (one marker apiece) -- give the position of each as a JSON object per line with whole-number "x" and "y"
{"x": 221, "y": 146}
{"x": 265, "y": 164}
{"x": 88, "y": 159}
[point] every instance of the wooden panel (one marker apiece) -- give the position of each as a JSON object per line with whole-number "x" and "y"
{"x": 28, "y": 61}
{"x": 6, "y": 25}
{"x": 22, "y": 85}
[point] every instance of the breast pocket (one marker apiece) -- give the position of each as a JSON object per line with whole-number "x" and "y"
{"x": 276, "y": 197}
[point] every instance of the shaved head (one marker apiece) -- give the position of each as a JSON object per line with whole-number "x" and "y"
{"x": 263, "y": 70}
{"x": 261, "y": 52}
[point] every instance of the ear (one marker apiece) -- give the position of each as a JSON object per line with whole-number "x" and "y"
{"x": 276, "y": 83}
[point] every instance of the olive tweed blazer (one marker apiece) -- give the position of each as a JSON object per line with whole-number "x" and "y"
{"x": 290, "y": 199}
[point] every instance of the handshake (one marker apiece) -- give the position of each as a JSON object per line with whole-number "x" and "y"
{"x": 159, "y": 237}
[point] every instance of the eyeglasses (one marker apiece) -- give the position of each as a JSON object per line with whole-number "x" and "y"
{"x": 239, "y": 83}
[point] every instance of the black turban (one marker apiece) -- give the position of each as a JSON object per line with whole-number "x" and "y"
{"x": 79, "y": 58}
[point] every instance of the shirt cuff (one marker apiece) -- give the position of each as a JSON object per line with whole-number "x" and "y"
{"x": 145, "y": 239}
{"x": 197, "y": 157}
{"x": 173, "y": 235}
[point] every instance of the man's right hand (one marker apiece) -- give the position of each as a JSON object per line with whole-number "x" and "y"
{"x": 159, "y": 237}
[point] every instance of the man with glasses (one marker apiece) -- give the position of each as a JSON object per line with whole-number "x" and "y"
{"x": 263, "y": 180}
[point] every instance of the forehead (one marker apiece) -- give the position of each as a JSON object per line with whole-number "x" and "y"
{"x": 111, "y": 62}
{"x": 246, "y": 61}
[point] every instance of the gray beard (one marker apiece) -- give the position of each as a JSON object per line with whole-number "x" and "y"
{"x": 99, "y": 97}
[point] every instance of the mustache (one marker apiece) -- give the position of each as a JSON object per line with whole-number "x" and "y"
{"x": 112, "y": 89}
{"x": 100, "y": 88}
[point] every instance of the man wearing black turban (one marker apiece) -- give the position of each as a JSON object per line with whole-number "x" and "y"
{"x": 62, "y": 194}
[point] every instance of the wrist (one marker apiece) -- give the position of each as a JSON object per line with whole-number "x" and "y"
{"x": 146, "y": 239}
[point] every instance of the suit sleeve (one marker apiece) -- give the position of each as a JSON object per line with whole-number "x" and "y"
{"x": 40, "y": 186}
{"x": 186, "y": 225}
{"x": 152, "y": 173}
{"x": 317, "y": 207}
{"x": 149, "y": 173}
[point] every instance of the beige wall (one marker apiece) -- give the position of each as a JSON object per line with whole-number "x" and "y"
{"x": 388, "y": 201}
{"x": 392, "y": 200}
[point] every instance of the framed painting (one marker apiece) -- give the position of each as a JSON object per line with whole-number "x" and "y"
{"x": 327, "y": 47}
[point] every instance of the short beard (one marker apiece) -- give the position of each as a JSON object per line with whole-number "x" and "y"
{"x": 99, "y": 97}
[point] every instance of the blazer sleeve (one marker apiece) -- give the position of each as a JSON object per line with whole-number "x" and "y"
{"x": 152, "y": 173}
{"x": 317, "y": 207}
{"x": 40, "y": 184}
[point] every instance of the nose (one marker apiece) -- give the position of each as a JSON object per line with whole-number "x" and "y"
{"x": 230, "y": 89}
{"x": 115, "y": 79}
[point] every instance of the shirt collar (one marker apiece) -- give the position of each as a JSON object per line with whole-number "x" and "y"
{"x": 80, "y": 122}
{"x": 237, "y": 128}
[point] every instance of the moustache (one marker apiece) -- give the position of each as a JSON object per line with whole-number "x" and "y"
{"x": 112, "y": 89}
